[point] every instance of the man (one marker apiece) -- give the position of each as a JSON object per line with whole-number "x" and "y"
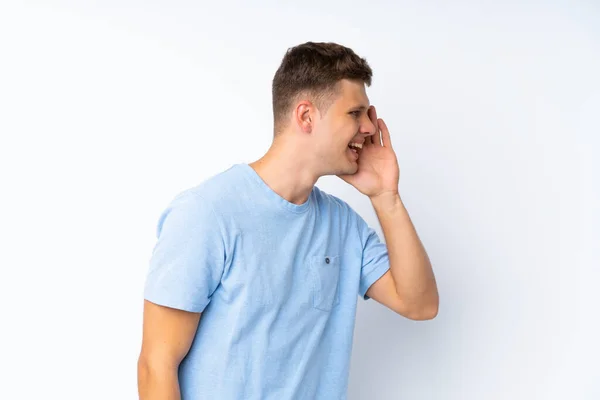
{"x": 254, "y": 280}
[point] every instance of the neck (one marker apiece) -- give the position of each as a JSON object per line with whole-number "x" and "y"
{"x": 287, "y": 170}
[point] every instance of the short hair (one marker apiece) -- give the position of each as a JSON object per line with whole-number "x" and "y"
{"x": 313, "y": 70}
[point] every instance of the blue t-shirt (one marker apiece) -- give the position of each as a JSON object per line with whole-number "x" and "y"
{"x": 277, "y": 284}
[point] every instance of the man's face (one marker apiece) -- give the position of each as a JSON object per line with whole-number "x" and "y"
{"x": 344, "y": 123}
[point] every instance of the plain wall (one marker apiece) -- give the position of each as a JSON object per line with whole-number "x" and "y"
{"x": 108, "y": 110}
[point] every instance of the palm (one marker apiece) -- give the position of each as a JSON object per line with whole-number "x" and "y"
{"x": 378, "y": 170}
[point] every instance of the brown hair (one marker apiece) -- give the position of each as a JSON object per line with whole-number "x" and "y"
{"x": 314, "y": 69}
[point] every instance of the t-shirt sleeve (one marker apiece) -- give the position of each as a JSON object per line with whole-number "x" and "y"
{"x": 375, "y": 258}
{"x": 188, "y": 258}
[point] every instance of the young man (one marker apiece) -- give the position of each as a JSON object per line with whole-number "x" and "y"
{"x": 254, "y": 280}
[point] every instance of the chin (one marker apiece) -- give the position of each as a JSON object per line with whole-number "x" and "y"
{"x": 343, "y": 167}
{"x": 348, "y": 169}
{"x": 353, "y": 169}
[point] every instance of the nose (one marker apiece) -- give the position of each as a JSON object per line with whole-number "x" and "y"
{"x": 368, "y": 128}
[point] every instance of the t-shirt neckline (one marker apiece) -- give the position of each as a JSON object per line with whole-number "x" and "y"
{"x": 274, "y": 196}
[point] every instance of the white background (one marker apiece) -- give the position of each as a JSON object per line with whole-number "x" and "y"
{"x": 108, "y": 109}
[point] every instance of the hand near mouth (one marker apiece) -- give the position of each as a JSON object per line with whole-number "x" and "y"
{"x": 378, "y": 171}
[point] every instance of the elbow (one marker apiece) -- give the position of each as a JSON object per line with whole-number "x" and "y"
{"x": 156, "y": 379}
{"x": 151, "y": 368}
{"x": 145, "y": 371}
{"x": 425, "y": 314}
{"x": 422, "y": 311}
{"x": 143, "y": 376}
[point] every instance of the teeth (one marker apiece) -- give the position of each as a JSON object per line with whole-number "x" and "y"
{"x": 357, "y": 145}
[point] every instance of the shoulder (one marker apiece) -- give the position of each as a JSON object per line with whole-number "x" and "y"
{"x": 324, "y": 198}
{"x": 213, "y": 192}
{"x": 334, "y": 203}
{"x": 343, "y": 209}
{"x": 205, "y": 201}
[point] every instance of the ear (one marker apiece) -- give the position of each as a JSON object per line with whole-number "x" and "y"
{"x": 304, "y": 116}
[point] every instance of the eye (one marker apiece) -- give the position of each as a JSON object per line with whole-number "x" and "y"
{"x": 355, "y": 114}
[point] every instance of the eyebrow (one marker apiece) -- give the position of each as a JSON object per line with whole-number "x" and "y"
{"x": 359, "y": 107}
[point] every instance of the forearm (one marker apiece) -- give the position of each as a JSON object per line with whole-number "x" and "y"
{"x": 409, "y": 263}
{"x": 160, "y": 383}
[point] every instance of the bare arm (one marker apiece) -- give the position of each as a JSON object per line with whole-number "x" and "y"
{"x": 167, "y": 337}
{"x": 409, "y": 287}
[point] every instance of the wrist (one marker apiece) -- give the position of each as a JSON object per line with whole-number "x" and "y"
{"x": 387, "y": 202}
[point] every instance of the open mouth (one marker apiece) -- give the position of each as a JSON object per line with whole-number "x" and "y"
{"x": 355, "y": 147}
